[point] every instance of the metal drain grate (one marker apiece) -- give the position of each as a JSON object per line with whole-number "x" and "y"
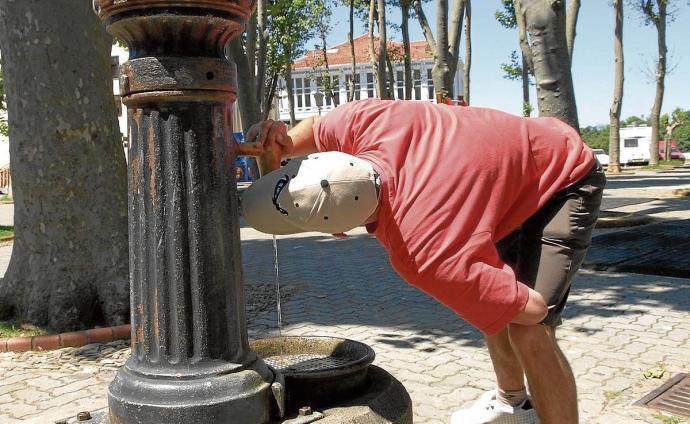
{"x": 306, "y": 362}
{"x": 673, "y": 396}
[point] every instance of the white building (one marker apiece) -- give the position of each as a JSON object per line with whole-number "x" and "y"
{"x": 307, "y": 82}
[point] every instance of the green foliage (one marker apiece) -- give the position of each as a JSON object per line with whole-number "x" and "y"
{"x": 506, "y": 17}
{"x": 636, "y": 121}
{"x": 596, "y": 137}
{"x": 513, "y": 70}
{"x": 291, "y": 23}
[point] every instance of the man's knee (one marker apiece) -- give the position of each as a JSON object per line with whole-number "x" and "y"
{"x": 532, "y": 339}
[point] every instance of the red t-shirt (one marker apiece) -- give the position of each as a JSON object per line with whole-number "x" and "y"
{"x": 454, "y": 182}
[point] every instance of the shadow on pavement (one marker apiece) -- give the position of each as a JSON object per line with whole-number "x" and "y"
{"x": 350, "y": 283}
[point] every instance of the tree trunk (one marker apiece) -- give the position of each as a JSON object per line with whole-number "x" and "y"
{"x": 289, "y": 88}
{"x": 69, "y": 265}
{"x": 248, "y": 100}
{"x": 468, "y": 52}
{"x": 522, "y": 33}
{"x": 261, "y": 55}
{"x": 251, "y": 51}
{"x": 545, "y": 21}
{"x": 660, "y": 23}
{"x": 526, "y": 105}
{"x": 327, "y": 83}
{"x": 351, "y": 88}
{"x": 247, "y": 97}
{"x": 571, "y": 24}
{"x": 372, "y": 51}
{"x": 441, "y": 72}
{"x": 615, "y": 112}
{"x": 407, "y": 60}
{"x": 383, "y": 51}
{"x": 527, "y": 63}
{"x": 445, "y": 48}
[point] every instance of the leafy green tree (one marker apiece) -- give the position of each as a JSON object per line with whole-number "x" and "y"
{"x": 291, "y": 24}
{"x": 636, "y": 121}
{"x": 596, "y": 137}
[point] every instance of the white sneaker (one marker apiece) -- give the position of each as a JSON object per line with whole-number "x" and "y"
{"x": 489, "y": 410}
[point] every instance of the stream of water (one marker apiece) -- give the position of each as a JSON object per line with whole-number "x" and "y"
{"x": 276, "y": 267}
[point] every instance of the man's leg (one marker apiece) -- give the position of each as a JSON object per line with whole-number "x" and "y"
{"x": 550, "y": 378}
{"x": 552, "y": 246}
{"x": 509, "y": 373}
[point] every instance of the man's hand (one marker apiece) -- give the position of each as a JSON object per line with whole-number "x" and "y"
{"x": 272, "y": 137}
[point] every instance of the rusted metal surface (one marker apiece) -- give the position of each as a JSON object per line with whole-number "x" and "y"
{"x": 318, "y": 371}
{"x": 190, "y": 357}
{"x": 673, "y": 396}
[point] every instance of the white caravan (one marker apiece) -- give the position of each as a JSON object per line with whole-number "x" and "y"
{"x": 634, "y": 145}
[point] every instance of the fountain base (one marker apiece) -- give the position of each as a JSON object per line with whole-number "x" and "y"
{"x": 385, "y": 401}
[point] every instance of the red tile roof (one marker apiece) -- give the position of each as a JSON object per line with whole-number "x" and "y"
{"x": 341, "y": 54}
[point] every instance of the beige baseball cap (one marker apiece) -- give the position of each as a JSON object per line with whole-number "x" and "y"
{"x": 329, "y": 192}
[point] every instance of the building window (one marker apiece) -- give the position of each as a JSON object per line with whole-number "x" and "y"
{"x": 430, "y": 85}
{"x": 417, "y": 79}
{"x": 400, "y": 84}
{"x": 299, "y": 93}
{"x": 302, "y": 93}
{"x": 370, "y": 84}
{"x": 358, "y": 94}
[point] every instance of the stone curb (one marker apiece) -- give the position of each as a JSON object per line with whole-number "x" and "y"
{"x": 71, "y": 339}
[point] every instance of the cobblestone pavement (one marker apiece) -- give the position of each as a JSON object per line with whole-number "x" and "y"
{"x": 617, "y": 326}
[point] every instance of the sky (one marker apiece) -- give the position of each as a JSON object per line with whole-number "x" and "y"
{"x": 593, "y": 63}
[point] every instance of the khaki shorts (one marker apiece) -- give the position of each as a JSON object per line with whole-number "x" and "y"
{"x": 547, "y": 250}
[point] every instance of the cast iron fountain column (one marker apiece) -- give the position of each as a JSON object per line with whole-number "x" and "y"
{"x": 190, "y": 358}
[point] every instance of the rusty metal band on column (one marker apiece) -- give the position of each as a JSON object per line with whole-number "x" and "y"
{"x": 190, "y": 357}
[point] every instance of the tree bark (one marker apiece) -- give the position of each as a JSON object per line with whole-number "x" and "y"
{"x": 545, "y": 21}
{"x": 441, "y": 70}
{"x": 407, "y": 60}
{"x": 454, "y": 35}
{"x": 527, "y": 62}
{"x": 445, "y": 47}
{"x": 372, "y": 52}
{"x": 289, "y": 88}
{"x": 69, "y": 264}
{"x": 261, "y": 56}
{"x": 468, "y": 52}
{"x": 383, "y": 51}
{"x": 351, "y": 88}
{"x": 247, "y": 98}
{"x": 526, "y": 105}
{"x": 615, "y": 112}
{"x": 571, "y": 24}
{"x": 522, "y": 33}
{"x": 660, "y": 23}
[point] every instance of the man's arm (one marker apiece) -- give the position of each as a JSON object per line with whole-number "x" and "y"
{"x": 302, "y": 136}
